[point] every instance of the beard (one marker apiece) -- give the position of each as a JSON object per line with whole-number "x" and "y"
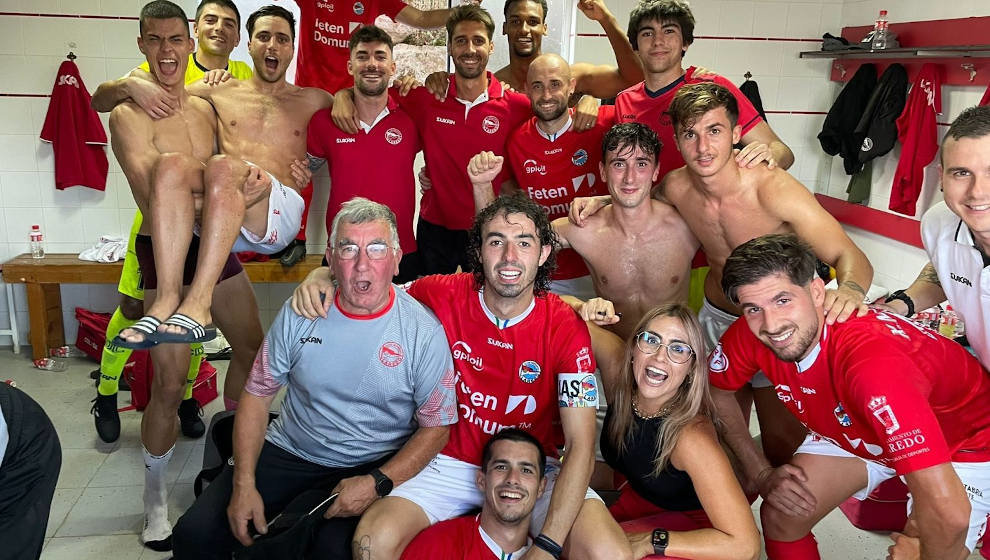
{"x": 371, "y": 91}
{"x": 552, "y": 114}
{"x": 804, "y": 339}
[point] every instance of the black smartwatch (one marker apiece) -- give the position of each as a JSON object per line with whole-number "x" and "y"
{"x": 383, "y": 484}
{"x": 900, "y": 295}
{"x": 660, "y": 539}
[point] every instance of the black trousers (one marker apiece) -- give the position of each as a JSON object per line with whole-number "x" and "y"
{"x": 441, "y": 250}
{"x": 28, "y": 474}
{"x": 203, "y": 532}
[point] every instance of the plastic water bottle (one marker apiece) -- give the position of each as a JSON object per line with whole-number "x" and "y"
{"x": 51, "y": 364}
{"x": 880, "y": 32}
{"x": 37, "y": 249}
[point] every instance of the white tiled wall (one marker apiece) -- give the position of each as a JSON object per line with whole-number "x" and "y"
{"x": 31, "y": 48}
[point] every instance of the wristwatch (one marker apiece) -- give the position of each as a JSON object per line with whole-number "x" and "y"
{"x": 383, "y": 484}
{"x": 660, "y": 538}
{"x": 900, "y": 295}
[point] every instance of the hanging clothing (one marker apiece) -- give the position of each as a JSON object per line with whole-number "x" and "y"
{"x": 917, "y": 131}
{"x": 878, "y": 126}
{"x": 986, "y": 97}
{"x": 75, "y": 132}
{"x": 751, "y": 90}
{"x": 838, "y": 132}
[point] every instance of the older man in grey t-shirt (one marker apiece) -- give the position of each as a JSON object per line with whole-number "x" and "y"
{"x": 369, "y": 400}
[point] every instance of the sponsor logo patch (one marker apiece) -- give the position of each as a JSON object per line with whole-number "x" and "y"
{"x": 884, "y": 414}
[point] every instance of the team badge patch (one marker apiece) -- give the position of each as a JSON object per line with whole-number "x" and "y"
{"x": 358, "y": 8}
{"x": 393, "y": 136}
{"x": 490, "y": 124}
{"x": 577, "y": 390}
{"x": 719, "y": 362}
{"x": 391, "y": 354}
{"x": 842, "y": 417}
{"x": 580, "y": 157}
{"x": 884, "y": 414}
{"x": 529, "y": 371}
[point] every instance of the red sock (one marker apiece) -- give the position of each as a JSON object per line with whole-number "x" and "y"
{"x": 805, "y": 548}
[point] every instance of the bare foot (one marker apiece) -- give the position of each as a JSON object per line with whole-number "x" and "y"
{"x": 199, "y": 316}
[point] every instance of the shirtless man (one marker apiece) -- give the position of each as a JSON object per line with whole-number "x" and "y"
{"x": 638, "y": 250}
{"x": 726, "y": 205}
{"x": 261, "y": 126}
{"x": 526, "y": 24}
{"x": 144, "y": 146}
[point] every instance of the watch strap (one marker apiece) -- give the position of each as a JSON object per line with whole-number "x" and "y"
{"x": 902, "y": 296}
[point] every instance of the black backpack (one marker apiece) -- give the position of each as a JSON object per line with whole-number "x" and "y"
{"x": 219, "y": 451}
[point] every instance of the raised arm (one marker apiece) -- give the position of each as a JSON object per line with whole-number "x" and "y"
{"x": 423, "y": 19}
{"x": 733, "y": 535}
{"x": 605, "y": 81}
{"x": 790, "y": 201}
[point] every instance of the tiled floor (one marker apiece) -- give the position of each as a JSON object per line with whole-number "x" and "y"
{"x": 96, "y": 513}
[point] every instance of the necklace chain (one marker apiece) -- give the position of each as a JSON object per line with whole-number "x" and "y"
{"x": 664, "y": 411}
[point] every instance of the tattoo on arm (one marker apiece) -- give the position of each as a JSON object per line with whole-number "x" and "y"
{"x": 361, "y": 548}
{"x": 929, "y": 275}
{"x": 853, "y": 286}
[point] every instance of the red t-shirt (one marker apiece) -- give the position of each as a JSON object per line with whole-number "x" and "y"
{"x": 554, "y": 172}
{"x": 377, "y": 165}
{"x": 917, "y": 130}
{"x": 325, "y": 28}
{"x": 637, "y": 105}
{"x": 75, "y": 132}
{"x": 451, "y": 138}
{"x": 508, "y": 374}
{"x": 878, "y": 386}
{"x": 455, "y": 539}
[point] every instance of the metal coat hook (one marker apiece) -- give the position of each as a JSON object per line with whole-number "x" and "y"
{"x": 748, "y": 75}
{"x": 841, "y": 69}
{"x": 972, "y": 70}
{"x": 71, "y": 55}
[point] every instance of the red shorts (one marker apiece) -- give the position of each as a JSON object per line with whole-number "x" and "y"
{"x": 144, "y": 249}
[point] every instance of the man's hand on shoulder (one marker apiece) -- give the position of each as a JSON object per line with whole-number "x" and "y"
{"x": 583, "y": 207}
{"x": 585, "y": 113}
{"x": 754, "y": 154}
{"x": 152, "y": 98}
{"x": 438, "y": 83}
{"x": 841, "y": 303}
{"x": 355, "y": 494}
{"x": 217, "y": 77}
{"x": 312, "y": 297}
{"x": 344, "y": 113}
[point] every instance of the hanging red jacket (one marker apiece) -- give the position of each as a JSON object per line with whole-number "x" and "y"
{"x": 916, "y": 129}
{"x": 986, "y": 97}
{"x": 75, "y": 132}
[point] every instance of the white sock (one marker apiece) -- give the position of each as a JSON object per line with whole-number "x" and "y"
{"x": 156, "y": 525}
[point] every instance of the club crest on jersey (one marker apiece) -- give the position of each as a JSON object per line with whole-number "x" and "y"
{"x": 884, "y": 414}
{"x": 577, "y": 390}
{"x": 358, "y": 8}
{"x": 529, "y": 371}
{"x": 580, "y": 157}
{"x": 842, "y": 417}
{"x": 719, "y": 362}
{"x": 393, "y": 136}
{"x": 391, "y": 354}
{"x": 490, "y": 124}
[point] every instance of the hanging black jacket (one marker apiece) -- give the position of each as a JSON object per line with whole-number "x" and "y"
{"x": 878, "y": 126}
{"x": 752, "y": 92}
{"x": 838, "y": 135}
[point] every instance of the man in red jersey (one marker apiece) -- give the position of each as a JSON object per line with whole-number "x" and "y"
{"x": 881, "y": 396}
{"x": 476, "y": 115}
{"x": 523, "y": 359}
{"x": 325, "y": 27}
{"x": 661, "y": 33}
{"x": 377, "y": 161}
{"x": 511, "y": 479}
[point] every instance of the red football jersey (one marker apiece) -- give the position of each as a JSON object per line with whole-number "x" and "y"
{"x": 917, "y": 130}
{"x": 452, "y": 134}
{"x": 377, "y": 165}
{"x": 325, "y": 28}
{"x": 554, "y": 172}
{"x": 878, "y": 386}
{"x": 517, "y": 374}
{"x": 637, "y": 105}
{"x": 75, "y": 132}
{"x": 455, "y": 539}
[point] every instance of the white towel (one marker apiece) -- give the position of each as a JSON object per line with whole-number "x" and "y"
{"x": 108, "y": 249}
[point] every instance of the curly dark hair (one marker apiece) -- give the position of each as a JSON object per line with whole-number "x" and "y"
{"x": 776, "y": 253}
{"x": 503, "y": 206}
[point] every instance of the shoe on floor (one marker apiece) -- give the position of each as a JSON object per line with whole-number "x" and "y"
{"x": 107, "y": 418}
{"x": 190, "y": 420}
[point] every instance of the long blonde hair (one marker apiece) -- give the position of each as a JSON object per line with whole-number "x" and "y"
{"x": 692, "y": 397}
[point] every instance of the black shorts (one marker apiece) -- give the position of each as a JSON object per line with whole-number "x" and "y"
{"x": 441, "y": 250}
{"x": 145, "y": 251}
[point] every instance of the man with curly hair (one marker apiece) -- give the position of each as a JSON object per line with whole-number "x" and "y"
{"x": 522, "y": 358}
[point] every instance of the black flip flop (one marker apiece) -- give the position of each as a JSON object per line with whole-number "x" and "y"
{"x": 147, "y": 326}
{"x": 195, "y": 332}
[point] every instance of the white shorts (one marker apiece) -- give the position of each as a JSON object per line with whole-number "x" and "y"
{"x": 446, "y": 488}
{"x": 582, "y": 287}
{"x": 974, "y": 476}
{"x": 285, "y": 210}
{"x": 714, "y": 323}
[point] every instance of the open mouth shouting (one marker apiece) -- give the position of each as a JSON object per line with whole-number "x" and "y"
{"x": 655, "y": 376}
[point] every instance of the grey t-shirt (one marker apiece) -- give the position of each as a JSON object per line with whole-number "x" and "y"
{"x": 358, "y": 386}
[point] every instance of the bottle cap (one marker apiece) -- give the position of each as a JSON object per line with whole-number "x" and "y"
{"x": 883, "y": 13}
{"x": 35, "y": 226}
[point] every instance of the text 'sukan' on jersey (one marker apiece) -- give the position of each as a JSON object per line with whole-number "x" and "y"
{"x": 554, "y": 172}
{"x": 518, "y": 374}
{"x": 877, "y": 386}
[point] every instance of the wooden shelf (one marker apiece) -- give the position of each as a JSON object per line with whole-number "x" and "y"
{"x": 966, "y": 51}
